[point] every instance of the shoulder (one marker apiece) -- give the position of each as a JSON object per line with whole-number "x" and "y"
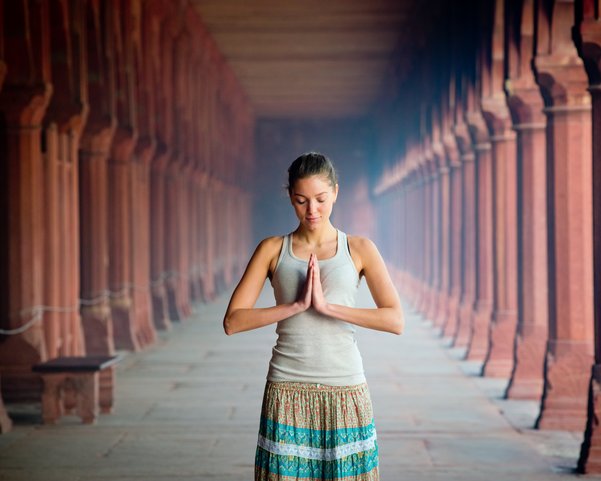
{"x": 362, "y": 246}
{"x": 364, "y": 252}
{"x": 268, "y": 251}
{"x": 270, "y": 246}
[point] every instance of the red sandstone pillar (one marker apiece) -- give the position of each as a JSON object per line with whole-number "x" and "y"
{"x": 141, "y": 27}
{"x": 435, "y": 234}
{"x": 53, "y": 330}
{"x": 121, "y": 194}
{"x": 463, "y": 334}
{"x": 444, "y": 203}
{"x": 526, "y": 105}
{"x": 23, "y": 102}
{"x": 588, "y": 40}
{"x": 157, "y": 226}
{"x": 479, "y": 343}
{"x": 5, "y": 421}
{"x": 424, "y": 194}
{"x": 162, "y": 71}
{"x": 500, "y": 358}
{"x": 455, "y": 233}
{"x": 95, "y": 147}
{"x": 561, "y": 77}
{"x": 65, "y": 119}
{"x": 120, "y": 246}
{"x": 415, "y": 220}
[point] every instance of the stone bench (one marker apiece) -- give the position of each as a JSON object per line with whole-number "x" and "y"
{"x": 74, "y": 382}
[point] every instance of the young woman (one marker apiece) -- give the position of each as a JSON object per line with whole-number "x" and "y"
{"x": 316, "y": 419}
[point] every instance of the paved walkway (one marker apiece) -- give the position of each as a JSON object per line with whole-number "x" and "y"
{"x": 188, "y": 409}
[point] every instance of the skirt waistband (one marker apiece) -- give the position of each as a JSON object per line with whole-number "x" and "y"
{"x": 313, "y": 387}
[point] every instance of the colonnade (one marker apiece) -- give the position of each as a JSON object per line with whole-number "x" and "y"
{"x": 492, "y": 196}
{"x": 121, "y": 126}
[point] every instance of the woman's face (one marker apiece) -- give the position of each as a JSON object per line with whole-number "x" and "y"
{"x": 313, "y": 198}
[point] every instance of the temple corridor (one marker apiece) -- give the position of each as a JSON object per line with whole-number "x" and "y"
{"x": 143, "y": 154}
{"x": 187, "y": 409}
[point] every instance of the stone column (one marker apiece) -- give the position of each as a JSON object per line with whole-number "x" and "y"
{"x": 590, "y": 455}
{"x": 455, "y": 234}
{"x": 482, "y": 313}
{"x": 415, "y": 220}
{"x": 162, "y": 72}
{"x": 435, "y": 235}
{"x": 462, "y": 335}
{"x": 588, "y": 41}
{"x": 526, "y": 105}
{"x": 95, "y": 146}
{"x": 157, "y": 228}
{"x": 444, "y": 203}
{"x": 64, "y": 122}
{"x": 23, "y": 102}
{"x": 425, "y": 269}
{"x": 500, "y": 357}
{"x": 561, "y": 77}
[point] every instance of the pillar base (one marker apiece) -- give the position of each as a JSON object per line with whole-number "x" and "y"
{"x": 123, "y": 325}
{"x": 449, "y": 328}
{"x": 442, "y": 308}
{"x": 160, "y": 312}
{"x": 567, "y": 379}
{"x": 98, "y": 329}
{"x": 6, "y": 423}
{"x": 173, "y": 305}
{"x": 500, "y": 359}
{"x": 464, "y": 330}
{"x": 524, "y": 389}
{"x": 527, "y": 379}
{"x": 480, "y": 341}
{"x": 422, "y": 295}
{"x": 17, "y": 354}
{"x": 432, "y": 305}
{"x": 590, "y": 451}
{"x": 196, "y": 293}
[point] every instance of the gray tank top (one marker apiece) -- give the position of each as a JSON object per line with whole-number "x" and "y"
{"x": 311, "y": 347}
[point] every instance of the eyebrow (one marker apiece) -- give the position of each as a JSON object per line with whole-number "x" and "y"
{"x": 317, "y": 195}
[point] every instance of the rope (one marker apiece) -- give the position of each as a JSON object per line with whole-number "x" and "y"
{"x": 37, "y": 312}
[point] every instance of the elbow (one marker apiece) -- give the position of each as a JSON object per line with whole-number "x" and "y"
{"x": 227, "y": 327}
{"x": 398, "y": 326}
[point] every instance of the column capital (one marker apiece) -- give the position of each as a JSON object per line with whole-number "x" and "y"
{"x": 587, "y": 37}
{"x": 497, "y": 117}
{"x": 478, "y": 129}
{"x": 25, "y": 106}
{"x": 123, "y": 146}
{"x": 562, "y": 80}
{"x": 525, "y": 101}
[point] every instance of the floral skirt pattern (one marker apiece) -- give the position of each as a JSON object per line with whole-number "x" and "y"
{"x": 315, "y": 432}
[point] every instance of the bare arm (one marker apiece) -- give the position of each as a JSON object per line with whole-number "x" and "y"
{"x": 241, "y": 315}
{"x": 388, "y": 315}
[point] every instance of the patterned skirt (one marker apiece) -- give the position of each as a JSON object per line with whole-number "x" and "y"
{"x": 315, "y": 432}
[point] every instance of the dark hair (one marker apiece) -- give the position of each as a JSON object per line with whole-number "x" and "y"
{"x": 308, "y": 164}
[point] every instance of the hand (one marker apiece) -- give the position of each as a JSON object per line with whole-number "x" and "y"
{"x": 318, "y": 299}
{"x": 304, "y": 298}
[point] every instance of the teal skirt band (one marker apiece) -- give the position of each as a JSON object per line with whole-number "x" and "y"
{"x": 314, "y": 432}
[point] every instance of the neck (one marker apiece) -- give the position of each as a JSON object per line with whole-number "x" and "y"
{"x": 315, "y": 237}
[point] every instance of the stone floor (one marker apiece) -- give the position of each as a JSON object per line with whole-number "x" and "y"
{"x": 188, "y": 408}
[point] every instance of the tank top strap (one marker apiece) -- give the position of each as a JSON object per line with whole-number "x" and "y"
{"x": 283, "y": 251}
{"x": 345, "y": 249}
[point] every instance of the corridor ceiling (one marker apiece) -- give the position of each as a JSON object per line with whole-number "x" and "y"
{"x": 312, "y": 58}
